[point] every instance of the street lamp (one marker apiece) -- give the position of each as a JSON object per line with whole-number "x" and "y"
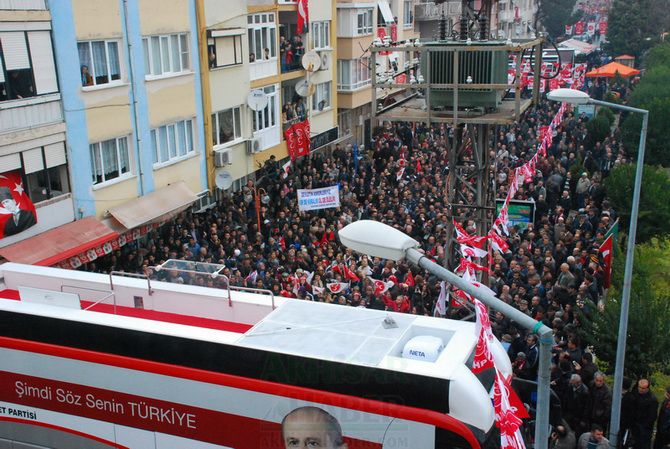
{"x": 380, "y": 240}
{"x": 578, "y": 97}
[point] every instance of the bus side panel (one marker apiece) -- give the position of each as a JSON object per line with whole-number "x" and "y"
{"x": 128, "y": 408}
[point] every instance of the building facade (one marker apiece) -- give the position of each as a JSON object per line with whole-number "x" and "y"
{"x": 32, "y": 129}
{"x": 132, "y": 99}
{"x": 358, "y": 24}
{"x": 254, "y": 47}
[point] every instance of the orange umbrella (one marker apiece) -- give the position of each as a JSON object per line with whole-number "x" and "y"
{"x": 610, "y": 70}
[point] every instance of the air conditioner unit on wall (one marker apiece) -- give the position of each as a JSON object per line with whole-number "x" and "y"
{"x": 325, "y": 60}
{"x": 253, "y": 146}
{"x": 222, "y": 158}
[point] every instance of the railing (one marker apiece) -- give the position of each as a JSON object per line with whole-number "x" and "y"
{"x": 30, "y": 112}
{"x": 254, "y": 290}
{"x": 109, "y": 294}
{"x": 129, "y": 275}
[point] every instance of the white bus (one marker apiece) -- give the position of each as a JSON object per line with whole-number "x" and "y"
{"x": 91, "y": 361}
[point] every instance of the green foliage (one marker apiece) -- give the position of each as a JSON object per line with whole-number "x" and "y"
{"x": 599, "y": 127}
{"x": 648, "y": 318}
{"x": 652, "y": 93}
{"x": 607, "y": 114}
{"x": 629, "y": 27}
{"x": 658, "y": 56}
{"x": 654, "y": 209}
{"x": 556, "y": 14}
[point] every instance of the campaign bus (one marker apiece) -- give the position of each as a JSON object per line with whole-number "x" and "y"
{"x": 95, "y": 361}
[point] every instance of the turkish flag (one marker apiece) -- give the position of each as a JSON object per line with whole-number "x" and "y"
{"x": 606, "y": 251}
{"x": 303, "y": 17}
{"x": 298, "y": 139}
{"x": 17, "y": 212}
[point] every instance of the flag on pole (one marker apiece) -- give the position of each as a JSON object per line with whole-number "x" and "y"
{"x": 441, "y": 304}
{"x": 303, "y": 17}
{"x": 606, "y": 251}
{"x": 483, "y": 358}
{"x": 381, "y": 286}
{"x": 613, "y": 231}
{"x": 337, "y": 287}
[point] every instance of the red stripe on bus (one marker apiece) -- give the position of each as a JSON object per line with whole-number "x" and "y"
{"x": 429, "y": 417}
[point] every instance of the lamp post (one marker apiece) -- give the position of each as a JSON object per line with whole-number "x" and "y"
{"x": 380, "y": 240}
{"x": 578, "y": 97}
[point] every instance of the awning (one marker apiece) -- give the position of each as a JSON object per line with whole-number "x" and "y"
{"x": 156, "y": 206}
{"x": 386, "y": 11}
{"x": 60, "y": 243}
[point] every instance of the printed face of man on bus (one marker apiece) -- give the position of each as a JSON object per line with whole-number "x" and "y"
{"x": 311, "y": 427}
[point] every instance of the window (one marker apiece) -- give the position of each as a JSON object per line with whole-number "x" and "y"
{"x": 268, "y": 116}
{"x": 226, "y": 126}
{"x": 262, "y": 31}
{"x": 99, "y": 62}
{"x": 408, "y": 14}
{"x": 27, "y": 65}
{"x": 320, "y": 35}
{"x": 166, "y": 54}
{"x": 45, "y": 170}
{"x": 224, "y": 51}
{"x": 173, "y": 141}
{"x": 364, "y": 22}
{"x": 353, "y": 74}
{"x": 109, "y": 159}
{"x": 321, "y": 98}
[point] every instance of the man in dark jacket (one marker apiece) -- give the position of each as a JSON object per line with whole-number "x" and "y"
{"x": 644, "y": 408}
{"x": 600, "y": 398}
{"x": 576, "y": 405}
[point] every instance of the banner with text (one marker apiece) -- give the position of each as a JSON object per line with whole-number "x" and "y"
{"x": 314, "y": 199}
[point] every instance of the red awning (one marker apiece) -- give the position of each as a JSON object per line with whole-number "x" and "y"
{"x": 60, "y": 243}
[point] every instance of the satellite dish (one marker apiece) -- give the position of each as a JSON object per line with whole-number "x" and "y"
{"x": 257, "y": 100}
{"x": 304, "y": 88}
{"x": 311, "y": 61}
{"x": 223, "y": 179}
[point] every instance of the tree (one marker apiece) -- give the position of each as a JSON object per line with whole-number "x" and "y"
{"x": 648, "y": 318}
{"x": 599, "y": 127}
{"x": 555, "y": 15}
{"x": 652, "y": 93}
{"x": 629, "y": 27}
{"x": 654, "y": 209}
{"x": 659, "y": 56}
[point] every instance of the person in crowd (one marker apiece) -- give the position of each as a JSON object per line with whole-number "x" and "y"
{"x": 595, "y": 439}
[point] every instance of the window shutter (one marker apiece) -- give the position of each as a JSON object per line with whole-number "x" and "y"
{"x": 10, "y": 162}
{"x": 14, "y": 50}
{"x": 55, "y": 154}
{"x": 43, "y": 62}
{"x": 32, "y": 161}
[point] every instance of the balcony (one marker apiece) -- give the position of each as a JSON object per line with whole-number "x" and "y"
{"x": 291, "y": 45}
{"x": 30, "y": 112}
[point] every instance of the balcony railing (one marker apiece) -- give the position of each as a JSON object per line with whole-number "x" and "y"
{"x": 30, "y": 112}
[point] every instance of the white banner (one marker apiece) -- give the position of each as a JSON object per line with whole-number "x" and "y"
{"x": 314, "y": 199}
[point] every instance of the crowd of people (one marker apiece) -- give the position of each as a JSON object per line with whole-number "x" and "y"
{"x": 552, "y": 271}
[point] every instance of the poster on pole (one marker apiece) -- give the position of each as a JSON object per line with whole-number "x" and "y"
{"x": 520, "y": 213}
{"x": 315, "y": 199}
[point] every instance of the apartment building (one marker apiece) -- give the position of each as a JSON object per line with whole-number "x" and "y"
{"x": 358, "y": 24}
{"x": 32, "y": 129}
{"x": 254, "y": 50}
{"x": 128, "y": 72}
{"x": 516, "y": 19}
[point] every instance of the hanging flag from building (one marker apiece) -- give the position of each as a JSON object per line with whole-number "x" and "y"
{"x": 606, "y": 251}
{"x": 303, "y": 17}
{"x": 591, "y": 28}
{"x": 579, "y": 28}
{"x": 298, "y": 139}
{"x": 17, "y": 212}
{"x": 602, "y": 27}
{"x": 568, "y": 30}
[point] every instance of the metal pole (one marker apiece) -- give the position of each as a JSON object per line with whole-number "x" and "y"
{"x": 546, "y": 336}
{"x": 627, "y": 281}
